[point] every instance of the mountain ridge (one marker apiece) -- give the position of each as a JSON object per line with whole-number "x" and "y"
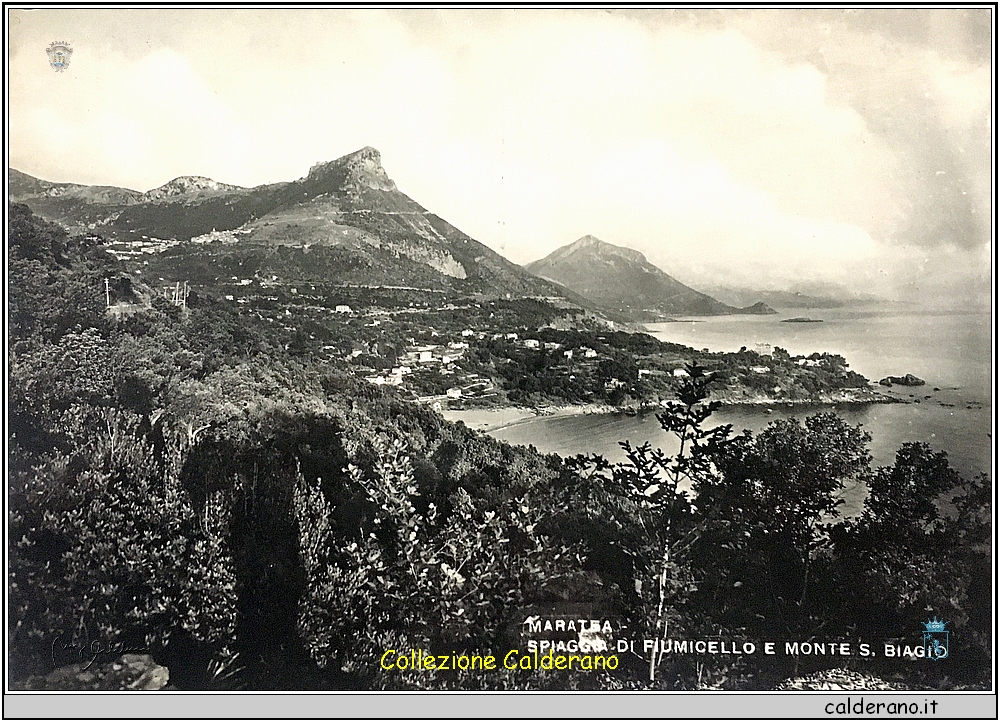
{"x": 349, "y": 204}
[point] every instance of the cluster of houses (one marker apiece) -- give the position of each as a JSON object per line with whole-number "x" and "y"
{"x": 440, "y": 357}
{"x": 222, "y": 236}
{"x": 443, "y": 355}
{"x": 124, "y": 250}
{"x": 534, "y": 343}
{"x": 474, "y": 388}
{"x": 393, "y": 378}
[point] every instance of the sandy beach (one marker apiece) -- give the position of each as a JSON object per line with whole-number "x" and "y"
{"x": 506, "y": 416}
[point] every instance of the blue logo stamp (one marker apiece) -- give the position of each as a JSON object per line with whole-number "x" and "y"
{"x": 935, "y": 639}
{"x": 59, "y": 54}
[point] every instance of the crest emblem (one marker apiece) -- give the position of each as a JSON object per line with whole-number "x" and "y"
{"x": 59, "y": 53}
{"x": 935, "y": 639}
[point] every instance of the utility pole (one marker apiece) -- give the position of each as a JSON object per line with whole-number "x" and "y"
{"x": 107, "y": 294}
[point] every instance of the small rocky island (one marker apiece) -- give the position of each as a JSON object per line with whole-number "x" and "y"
{"x": 908, "y": 380}
{"x": 801, "y": 319}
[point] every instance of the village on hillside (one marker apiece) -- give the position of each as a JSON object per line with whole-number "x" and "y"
{"x": 451, "y": 352}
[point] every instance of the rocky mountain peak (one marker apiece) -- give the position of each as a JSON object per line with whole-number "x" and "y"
{"x": 594, "y": 246}
{"x": 586, "y": 241}
{"x": 360, "y": 169}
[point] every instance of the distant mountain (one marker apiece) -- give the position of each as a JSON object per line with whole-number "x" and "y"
{"x": 344, "y": 221}
{"x": 820, "y": 296}
{"x": 622, "y": 281}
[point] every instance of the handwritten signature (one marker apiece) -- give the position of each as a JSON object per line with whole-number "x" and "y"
{"x": 90, "y": 650}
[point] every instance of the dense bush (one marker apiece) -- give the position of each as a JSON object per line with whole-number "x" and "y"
{"x": 107, "y": 547}
{"x": 418, "y": 579}
{"x": 183, "y": 481}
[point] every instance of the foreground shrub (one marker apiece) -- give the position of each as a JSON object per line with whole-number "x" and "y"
{"x": 107, "y": 548}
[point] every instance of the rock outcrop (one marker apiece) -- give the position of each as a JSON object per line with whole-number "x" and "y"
{"x": 908, "y": 380}
{"x": 189, "y": 185}
{"x": 839, "y": 679}
{"x": 138, "y": 672}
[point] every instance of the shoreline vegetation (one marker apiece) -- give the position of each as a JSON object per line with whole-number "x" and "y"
{"x": 496, "y": 418}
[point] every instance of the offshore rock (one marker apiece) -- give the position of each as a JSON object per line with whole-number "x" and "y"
{"x": 759, "y": 309}
{"x": 908, "y": 380}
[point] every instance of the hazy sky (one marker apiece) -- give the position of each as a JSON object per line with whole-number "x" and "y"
{"x": 759, "y": 148}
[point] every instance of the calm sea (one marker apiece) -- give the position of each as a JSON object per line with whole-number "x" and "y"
{"x": 950, "y": 351}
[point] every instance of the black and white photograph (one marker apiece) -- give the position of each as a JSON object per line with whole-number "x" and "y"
{"x": 499, "y": 349}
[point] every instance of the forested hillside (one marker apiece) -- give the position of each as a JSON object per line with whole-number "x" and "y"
{"x": 181, "y": 481}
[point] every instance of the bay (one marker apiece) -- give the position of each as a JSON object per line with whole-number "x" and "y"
{"x": 950, "y": 351}
{"x": 945, "y": 348}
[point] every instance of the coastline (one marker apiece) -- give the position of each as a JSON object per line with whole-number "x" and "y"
{"x": 503, "y": 417}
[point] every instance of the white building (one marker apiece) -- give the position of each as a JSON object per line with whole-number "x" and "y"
{"x": 342, "y": 308}
{"x": 384, "y": 380}
{"x": 454, "y": 393}
{"x": 760, "y": 369}
{"x": 530, "y": 343}
{"x": 681, "y": 373}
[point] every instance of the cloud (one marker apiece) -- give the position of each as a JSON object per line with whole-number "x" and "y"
{"x": 126, "y": 123}
{"x": 767, "y": 147}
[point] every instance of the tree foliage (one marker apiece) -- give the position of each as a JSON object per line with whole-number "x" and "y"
{"x": 184, "y": 479}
